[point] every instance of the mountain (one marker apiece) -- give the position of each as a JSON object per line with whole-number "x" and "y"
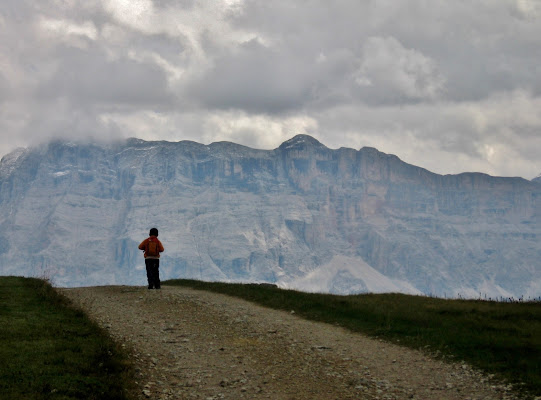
{"x": 302, "y": 216}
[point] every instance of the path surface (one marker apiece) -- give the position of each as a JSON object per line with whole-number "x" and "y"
{"x": 190, "y": 344}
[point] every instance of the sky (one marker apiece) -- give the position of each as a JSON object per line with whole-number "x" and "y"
{"x": 451, "y": 86}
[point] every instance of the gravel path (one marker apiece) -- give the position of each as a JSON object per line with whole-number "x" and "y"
{"x": 190, "y": 344}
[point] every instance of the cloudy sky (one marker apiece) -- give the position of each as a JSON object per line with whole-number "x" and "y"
{"x": 451, "y": 86}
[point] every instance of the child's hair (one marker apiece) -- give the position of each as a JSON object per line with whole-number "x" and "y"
{"x": 153, "y": 232}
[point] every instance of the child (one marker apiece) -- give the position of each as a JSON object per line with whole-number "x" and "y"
{"x": 152, "y": 248}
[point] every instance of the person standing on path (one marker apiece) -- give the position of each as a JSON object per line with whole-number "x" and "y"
{"x": 152, "y": 248}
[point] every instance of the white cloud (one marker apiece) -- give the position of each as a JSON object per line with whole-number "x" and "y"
{"x": 390, "y": 68}
{"x": 499, "y": 135}
{"x": 529, "y": 9}
{"x": 137, "y": 14}
{"x": 62, "y": 27}
{"x": 259, "y": 131}
{"x": 450, "y": 86}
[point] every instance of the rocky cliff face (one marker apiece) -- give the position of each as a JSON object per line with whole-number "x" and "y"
{"x": 302, "y": 216}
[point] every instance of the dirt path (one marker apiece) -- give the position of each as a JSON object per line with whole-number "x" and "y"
{"x": 191, "y": 344}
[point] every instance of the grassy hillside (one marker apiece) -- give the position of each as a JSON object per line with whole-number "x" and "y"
{"x": 50, "y": 350}
{"x": 500, "y": 338}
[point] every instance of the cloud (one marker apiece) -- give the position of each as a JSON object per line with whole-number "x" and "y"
{"x": 136, "y": 14}
{"x": 527, "y": 9}
{"x": 254, "y": 78}
{"x": 499, "y": 135}
{"x": 390, "y": 70}
{"x": 90, "y": 78}
{"x": 450, "y": 86}
{"x": 64, "y": 28}
{"x": 258, "y": 131}
{"x": 4, "y": 89}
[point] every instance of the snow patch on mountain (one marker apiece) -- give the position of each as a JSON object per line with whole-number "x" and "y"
{"x": 345, "y": 275}
{"x": 10, "y": 161}
{"x": 533, "y": 292}
{"x": 301, "y": 141}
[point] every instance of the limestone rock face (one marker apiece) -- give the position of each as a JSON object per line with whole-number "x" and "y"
{"x": 302, "y": 216}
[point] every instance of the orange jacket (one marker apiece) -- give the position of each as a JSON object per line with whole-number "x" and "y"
{"x": 144, "y": 246}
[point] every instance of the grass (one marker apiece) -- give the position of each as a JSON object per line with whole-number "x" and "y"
{"x": 51, "y": 350}
{"x": 500, "y": 338}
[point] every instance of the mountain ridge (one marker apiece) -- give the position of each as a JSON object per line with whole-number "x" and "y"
{"x": 288, "y": 216}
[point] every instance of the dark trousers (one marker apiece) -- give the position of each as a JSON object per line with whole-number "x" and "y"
{"x": 153, "y": 272}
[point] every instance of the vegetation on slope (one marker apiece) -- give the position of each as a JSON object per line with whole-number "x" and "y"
{"x": 50, "y": 350}
{"x": 500, "y": 338}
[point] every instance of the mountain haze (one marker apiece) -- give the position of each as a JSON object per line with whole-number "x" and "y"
{"x": 302, "y": 216}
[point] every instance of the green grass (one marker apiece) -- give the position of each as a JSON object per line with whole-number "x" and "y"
{"x": 500, "y": 338}
{"x": 51, "y": 350}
